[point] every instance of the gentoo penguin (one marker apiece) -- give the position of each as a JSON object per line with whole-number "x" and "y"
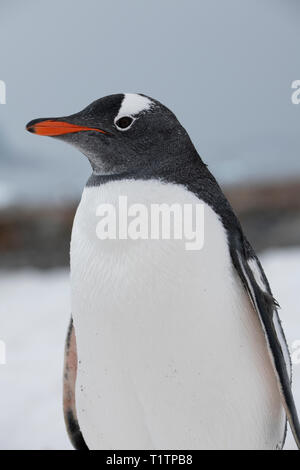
{"x": 168, "y": 348}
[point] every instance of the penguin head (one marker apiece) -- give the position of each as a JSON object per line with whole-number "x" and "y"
{"x": 120, "y": 133}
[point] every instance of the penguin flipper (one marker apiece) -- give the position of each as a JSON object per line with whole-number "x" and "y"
{"x": 258, "y": 289}
{"x": 70, "y": 371}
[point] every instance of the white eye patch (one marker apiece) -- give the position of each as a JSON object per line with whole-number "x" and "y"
{"x": 133, "y": 104}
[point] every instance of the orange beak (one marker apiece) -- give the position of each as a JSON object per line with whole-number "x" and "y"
{"x": 53, "y": 128}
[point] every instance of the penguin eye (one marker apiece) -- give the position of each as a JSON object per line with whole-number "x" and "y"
{"x": 124, "y": 122}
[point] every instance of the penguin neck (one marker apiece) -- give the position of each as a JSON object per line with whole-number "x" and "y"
{"x": 175, "y": 167}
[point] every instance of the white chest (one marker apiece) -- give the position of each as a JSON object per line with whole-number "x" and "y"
{"x": 170, "y": 350}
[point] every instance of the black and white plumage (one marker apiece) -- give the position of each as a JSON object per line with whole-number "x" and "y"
{"x": 175, "y": 349}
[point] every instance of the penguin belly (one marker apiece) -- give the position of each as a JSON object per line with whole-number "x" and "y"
{"x": 171, "y": 354}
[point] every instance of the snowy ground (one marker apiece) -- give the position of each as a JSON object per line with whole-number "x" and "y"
{"x": 34, "y": 312}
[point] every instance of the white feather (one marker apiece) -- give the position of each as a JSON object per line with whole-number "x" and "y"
{"x": 257, "y": 274}
{"x": 133, "y": 104}
{"x": 260, "y": 282}
{"x": 171, "y": 352}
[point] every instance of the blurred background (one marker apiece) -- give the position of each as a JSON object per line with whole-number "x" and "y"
{"x": 224, "y": 68}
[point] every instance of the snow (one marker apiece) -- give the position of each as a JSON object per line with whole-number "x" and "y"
{"x": 34, "y": 312}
